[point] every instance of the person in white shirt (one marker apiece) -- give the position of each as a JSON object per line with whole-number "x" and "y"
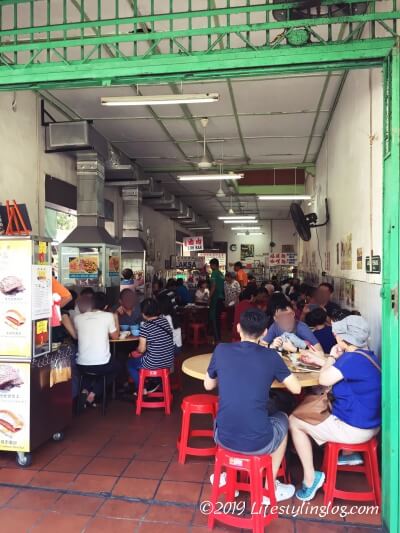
{"x": 94, "y": 328}
{"x": 83, "y": 301}
{"x": 202, "y": 295}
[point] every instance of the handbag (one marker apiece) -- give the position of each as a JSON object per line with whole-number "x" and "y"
{"x": 314, "y": 409}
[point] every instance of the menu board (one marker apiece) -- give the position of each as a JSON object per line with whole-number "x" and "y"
{"x": 282, "y": 259}
{"x": 41, "y": 292}
{"x": 114, "y": 265}
{"x": 15, "y": 297}
{"x": 84, "y": 266}
{"x": 217, "y": 255}
{"x": 193, "y": 244}
{"x": 14, "y": 406}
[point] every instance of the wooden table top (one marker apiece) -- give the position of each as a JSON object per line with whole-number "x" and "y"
{"x": 131, "y": 338}
{"x": 196, "y": 367}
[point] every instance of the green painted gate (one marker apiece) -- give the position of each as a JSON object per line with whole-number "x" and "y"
{"x": 79, "y": 43}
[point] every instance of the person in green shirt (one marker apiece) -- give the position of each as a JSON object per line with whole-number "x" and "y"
{"x": 217, "y": 296}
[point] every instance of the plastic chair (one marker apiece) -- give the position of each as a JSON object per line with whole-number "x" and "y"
{"x": 200, "y": 404}
{"x": 165, "y": 394}
{"x": 369, "y": 468}
{"x": 95, "y": 377}
{"x": 256, "y": 467}
{"x": 197, "y": 334}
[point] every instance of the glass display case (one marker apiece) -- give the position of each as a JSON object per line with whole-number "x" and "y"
{"x": 90, "y": 265}
{"x": 136, "y": 261}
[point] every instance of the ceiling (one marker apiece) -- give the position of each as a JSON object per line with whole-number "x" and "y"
{"x": 257, "y": 122}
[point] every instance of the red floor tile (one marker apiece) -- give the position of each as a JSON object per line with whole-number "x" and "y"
{"x": 146, "y": 469}
{"x": 119, "y": 509}
{"x": 156, "y": 453}
{"x": 195, "y": 472}
{"x": 151, "y": 527}
{"x": 363, "y": 513}
{"x": 111, "y": 525}
{"x": 135, "y": 488}
{"x": 119, "y": 451}
{"x": 18, "y": 520}
{"x": 106, "y": 466}
{"x": 77, "y": 504}
{"x": 53, "y": 480}
{"x": 16, "y": 476}
{"x": 6, "y": 493}
{"x": 67, "y": 463}
{"x": 91, "y": 483}
{"x": 282, "y": 525}
{"x": 182, "y": 492}
{"x": 83, "y": 448}
{"x": 169, "y": 514}
{"x": 61, "y": 523}
{"x": 315, "y": 527}
{"x": 34, "y": 499}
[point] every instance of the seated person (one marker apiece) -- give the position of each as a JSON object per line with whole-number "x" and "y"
{"x": 128, "y": 312}
{"x": 246, "y": 300}
{"x": 182, "y": 292}
{"x": 128, "y": 280}
{"x": 156, "y": 343}
{"x": 317, "y": 321}
{"x": 202, "y": 295}
{"x": 244, "y": 373}
{"x": 94, "y": 327}
{"x": 311, "y": 302}
{"x": 284, "y": 323}
{"x": 262, "y": 299}
{"x": 83, "y": 301}
{"x": 170, "y": 291}
{"x": 167, "y": 310}
{"x": 324, "y": 297}
{"x": 355, "y": 377}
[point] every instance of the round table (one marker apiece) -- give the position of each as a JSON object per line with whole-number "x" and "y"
{"x": 196, "y": 367}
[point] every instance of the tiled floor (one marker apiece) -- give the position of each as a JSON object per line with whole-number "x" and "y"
{"x": 120, "y": 473}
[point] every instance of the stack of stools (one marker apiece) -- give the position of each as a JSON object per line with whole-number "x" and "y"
{"x": 254, "y": 468}
{"x": 369, "y": 468}
{"x": 142, "y": 400}
{"x": 199, "y": 404}
{"x": 197, "y": 334}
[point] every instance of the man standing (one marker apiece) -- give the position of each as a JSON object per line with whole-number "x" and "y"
{"x": 241, "y": 275}
{"x": 216, "y": 298}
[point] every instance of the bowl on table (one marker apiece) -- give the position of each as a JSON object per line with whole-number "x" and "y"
{"x": 125, "y": 327}
{"x": 135, "y": 330}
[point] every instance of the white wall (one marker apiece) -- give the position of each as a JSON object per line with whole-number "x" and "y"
{"x": 349, "y": 174}
{"x": 279, "y": 231}
{"x": 23, "y": 163}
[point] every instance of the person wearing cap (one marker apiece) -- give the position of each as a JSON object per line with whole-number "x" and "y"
{"x": 354, "y": 374}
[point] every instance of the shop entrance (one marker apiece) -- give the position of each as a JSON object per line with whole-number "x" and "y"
{"x": 137, "y": 51}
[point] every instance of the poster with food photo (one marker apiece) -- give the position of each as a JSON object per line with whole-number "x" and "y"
{"x": 15, "y": 298}
{"x": 14, "y": 406}
{"x": 86, "y": 267}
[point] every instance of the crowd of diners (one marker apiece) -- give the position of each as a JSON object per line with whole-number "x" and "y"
{"x": 265, "y": 320}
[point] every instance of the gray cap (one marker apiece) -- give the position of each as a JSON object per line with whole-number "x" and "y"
{"x": 353, "y": 329}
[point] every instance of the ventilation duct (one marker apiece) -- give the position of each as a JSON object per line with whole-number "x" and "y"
{"x": 152, "y": 191}
{"x": 132, "y": 223}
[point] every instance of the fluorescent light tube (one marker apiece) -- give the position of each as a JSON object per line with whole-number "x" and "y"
{"x": 210, "y": 177}
{"x": 258, "y": 233}
{"x": 160, "y": 99}
{"x": 246, "y": 229}
{"x": 240, "y": 221}
{"x": 285, "y": 197}
{"x": 199, "y": 228}
{"x": 238, "y": 217}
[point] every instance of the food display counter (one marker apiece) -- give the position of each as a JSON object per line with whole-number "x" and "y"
{"x": 35, "y": 380}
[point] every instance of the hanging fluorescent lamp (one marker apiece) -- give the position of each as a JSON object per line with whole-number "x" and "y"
{"x": 246, "y": 229}
{"x": 283, "y": 197}
{"x": 238, "y": 217}
{"x": 240, "y": 221}
{"x": 210, "y": 177}
{"x": 199, "y": 228}
{"x": 257, "y": 233}
{"x": 160, "y": 99}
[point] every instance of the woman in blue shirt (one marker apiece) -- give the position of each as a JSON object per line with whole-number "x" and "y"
{"x": 354, "y": 374}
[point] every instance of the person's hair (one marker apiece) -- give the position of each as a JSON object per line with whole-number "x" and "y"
{"x": 214, "y": 262}
{"x": 339, "y": 314}
{"x": 262, "y": 290}
{"x": 228, "y": 275}
{"x": 166, "y": 308}
{"x": 201, "y": 282}
{"x": 171, "y": 283}
{"x": 179, "y": 282}
{"x": 311, "y": 291}
{"x": 303, "y": 288}
{"x": 277, "y": 298}
{"x": 328, "y": 286}
{"x": 248, "y": 293}
{"x": 316, "y": 317}
{"x": 238, "y": 264}
{"x": 253, "y": 322}
{"x": 124, "y": 293}
{"x": 99, "y": 301}
{"x": 150, "y": 307}
{"x": 158, "y": 282}
{"x": 127, "y": 273}
{"x": 87, "y": 291}
{"x": 71, "y": 304}
{"x": 282, "y": 305}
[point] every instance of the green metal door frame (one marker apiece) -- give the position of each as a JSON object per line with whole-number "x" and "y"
{"x": 42, "y": 57}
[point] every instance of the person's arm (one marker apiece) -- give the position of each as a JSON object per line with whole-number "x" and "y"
{"x": 142, "y": 345}
{"x": 64, "y": 293}
{"x": 68, "y": 325}
{"x": 292, "y": 384}
{"x": 212, "y": 288}
{"x": 329, "y": 374}
{"x": 210, "y": 383}
{"x": 113, "y": 329}
{"x": 305, "y": 333}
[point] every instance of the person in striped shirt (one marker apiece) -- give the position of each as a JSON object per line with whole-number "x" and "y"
{"x": 156, "y": 343}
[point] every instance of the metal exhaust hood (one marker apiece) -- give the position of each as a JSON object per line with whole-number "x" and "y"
{"x": 132, "y": 224}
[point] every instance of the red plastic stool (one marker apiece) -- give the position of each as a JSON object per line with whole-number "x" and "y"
{"x": 257, "y": 467}
{"x": 199, "y": 404}
{"x": 282, "y": 473}
{"x": 176, "y": 375}
{"x": 197, "y": 334}
{"x": 369, "y": 468}
{"x": 165, "y": 394}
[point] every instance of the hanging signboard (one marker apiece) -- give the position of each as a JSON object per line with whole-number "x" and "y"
{"x": 193, "y": 244}
{"x": 214, "y": 255}
{"x": 186, "y": 262}
{"x": 282, "y": 259}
